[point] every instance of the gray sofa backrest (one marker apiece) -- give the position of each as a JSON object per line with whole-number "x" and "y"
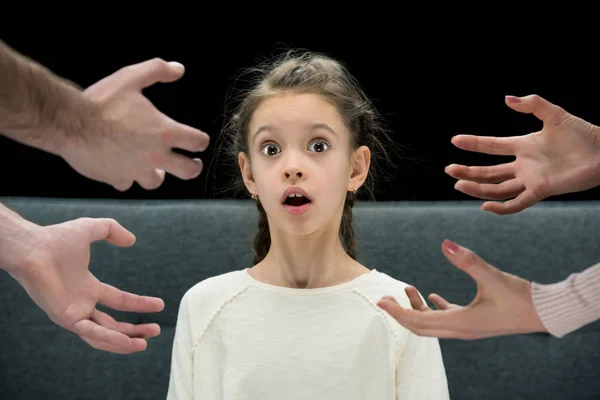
{"x": 180, "y": 243}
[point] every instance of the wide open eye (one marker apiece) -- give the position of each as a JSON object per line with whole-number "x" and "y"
{"x": 270, "y": 149}
{"x": 319, "y": 146}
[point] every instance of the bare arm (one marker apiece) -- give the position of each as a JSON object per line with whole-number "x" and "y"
{"x": 37, "y": 107}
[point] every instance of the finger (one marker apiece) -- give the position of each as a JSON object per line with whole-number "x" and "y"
{"x": 454, "y": 322}
{"x": 440, "y": 302}
{"x": 107, "y": 229}
{"x": 185, "y": 137}
{"x": 415, "y": 299}
{"x": 182, "y": 166}
{"x": 513, "y": 206}
{"x": 469, "y": 262}
{"x": 505, "y": 146}
{"x": 445, "y": 333}
{"x": 143, "y": 331}
{"x": 497, "y": 191}
{"x": 429, "y": 323}
{"x": 149, "y": 72}
{"x": 491, "y": 174}
{"x": 152, "y": 180}
{"x": 122, "y": 185}
{"x": 106, "y": 337}
{"x": 111, "y": 348}
{"x": 536, "y": 105}
{"x": 124, "y": 301}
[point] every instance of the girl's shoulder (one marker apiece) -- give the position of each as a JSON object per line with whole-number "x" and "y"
{"x": 217, "y": 287}
{"x": 202, "y": 303}
{"x": 381, "y": 284}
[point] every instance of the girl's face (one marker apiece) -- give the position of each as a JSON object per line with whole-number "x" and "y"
{"x": 298, "y": 144}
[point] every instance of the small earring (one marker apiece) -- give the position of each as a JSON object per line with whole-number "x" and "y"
{"x": 254, "y": 196}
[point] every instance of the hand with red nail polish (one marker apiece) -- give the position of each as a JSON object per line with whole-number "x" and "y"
{"x": 503, "y": 304}
{"x": 563, "y": 157}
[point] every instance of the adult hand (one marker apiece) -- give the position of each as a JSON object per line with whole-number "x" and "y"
{"x": 502, "y": 306}
{"x": 52, "y": 265}
{"x": 134, "y": 142}
{"x": 563, "y": 157}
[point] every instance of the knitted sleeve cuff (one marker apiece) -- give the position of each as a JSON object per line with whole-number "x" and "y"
{"x": 566, "y": 306}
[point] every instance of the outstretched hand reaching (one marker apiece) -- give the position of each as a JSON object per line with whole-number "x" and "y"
{"x": 52, "y": 264}
{"x": 563, "y": 157}
{"x": 135, "y": 141}
{"x": 502, "y": 306}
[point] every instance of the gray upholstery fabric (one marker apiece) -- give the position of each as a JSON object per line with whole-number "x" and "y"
{"x": 182, "y": 242}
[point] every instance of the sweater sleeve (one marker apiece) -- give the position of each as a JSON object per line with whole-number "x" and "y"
{"x": 181, "y": 380}
{"x": 420, "y": 371}
{"x": 566, "y": 306}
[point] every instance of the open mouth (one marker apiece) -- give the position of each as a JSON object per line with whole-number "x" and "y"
{"x": 296, "y": 200}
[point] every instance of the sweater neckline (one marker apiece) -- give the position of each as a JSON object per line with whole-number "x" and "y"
{"x": 309, "y": 291}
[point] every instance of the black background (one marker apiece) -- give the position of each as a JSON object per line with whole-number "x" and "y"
{"x": 430, "y": 82}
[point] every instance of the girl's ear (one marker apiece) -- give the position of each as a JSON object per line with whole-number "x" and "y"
{"x": 244, "y": 163}
{"x": 361, "y": 161}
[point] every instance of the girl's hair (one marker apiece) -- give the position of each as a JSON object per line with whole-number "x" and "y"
{"x": 309, "y": 72}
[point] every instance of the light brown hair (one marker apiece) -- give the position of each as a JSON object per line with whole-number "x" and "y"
{"x": 309, "y": 72}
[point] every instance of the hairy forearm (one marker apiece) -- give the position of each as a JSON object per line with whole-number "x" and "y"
{"x": 16, "y": 239}
{"x": 38, "y": 108}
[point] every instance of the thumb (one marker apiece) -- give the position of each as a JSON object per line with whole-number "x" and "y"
{"x": 149, "y": 72}
{"x": 534, "y": 104}
{"x": 469, "y": 262}
{"x": 107, "y": 229}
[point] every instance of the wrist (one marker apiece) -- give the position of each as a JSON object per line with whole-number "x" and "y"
{"x": 74, "y": 120}
{"x": 18, "y": 239}
{"x": 74, "y": 117}
{"x": 88, "y": 125}
{"x": 535, "y": 323}
{"x": 596, "y": 142}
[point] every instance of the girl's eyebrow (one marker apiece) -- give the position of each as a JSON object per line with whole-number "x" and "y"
{"x": 261, "y": 129}
{"x": 319, "y": 125}
{"x": 309, "y": 127}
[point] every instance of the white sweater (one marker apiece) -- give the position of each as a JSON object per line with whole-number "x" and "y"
{"x": 241, "y": 339}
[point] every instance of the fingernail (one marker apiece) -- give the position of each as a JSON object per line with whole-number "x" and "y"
{"x": 176, "y": 65}
{"x": 450, "y": 247}
{"x": 513, "y": 99}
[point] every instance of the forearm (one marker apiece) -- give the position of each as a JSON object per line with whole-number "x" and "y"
{"x": 16, "y": 239}
{"x": 38, "y": 108}
{"x": 567, "y": 306}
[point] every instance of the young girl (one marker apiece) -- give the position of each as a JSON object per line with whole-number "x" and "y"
{"x": 302, "y": 323}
